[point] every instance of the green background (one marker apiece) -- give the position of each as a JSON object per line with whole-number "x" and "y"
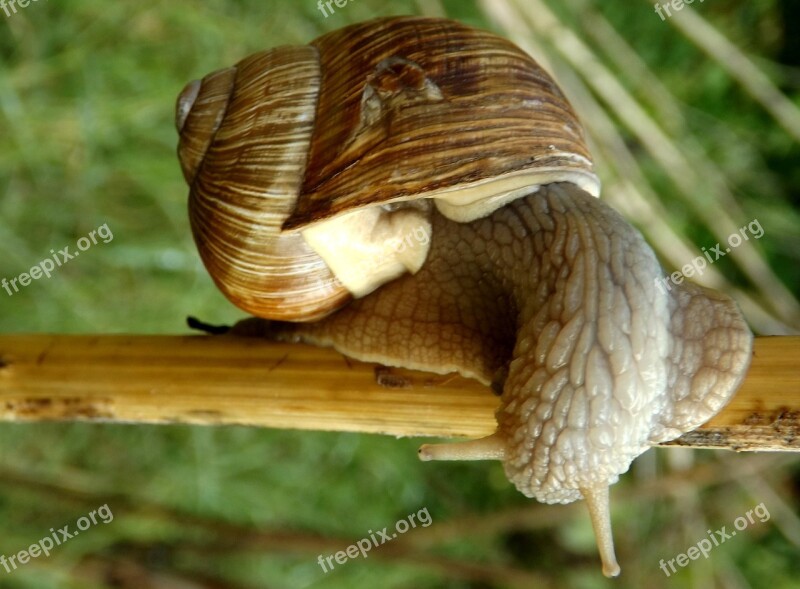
{"x": 87, "y": 90}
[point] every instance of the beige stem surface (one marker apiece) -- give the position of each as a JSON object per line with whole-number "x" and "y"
{"x": 225, "y": 380}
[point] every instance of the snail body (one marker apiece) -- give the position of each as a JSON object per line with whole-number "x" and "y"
{"x": 418, "y": 193}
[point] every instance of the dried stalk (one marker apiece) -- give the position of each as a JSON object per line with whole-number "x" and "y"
{"x": 226, "y": 380}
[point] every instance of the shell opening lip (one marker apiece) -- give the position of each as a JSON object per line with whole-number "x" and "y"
{"x": 185, "y": 102}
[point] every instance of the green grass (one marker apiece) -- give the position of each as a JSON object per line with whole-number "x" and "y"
{"x": 87, "y": 137}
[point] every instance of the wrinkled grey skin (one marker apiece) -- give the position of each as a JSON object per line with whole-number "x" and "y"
{"x": 554, "y": 297}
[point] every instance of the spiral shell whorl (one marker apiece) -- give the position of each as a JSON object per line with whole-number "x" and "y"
{"x": 243, "y": 149}
{"x": 199, "y": 112}
{"x": 284, "y": 145}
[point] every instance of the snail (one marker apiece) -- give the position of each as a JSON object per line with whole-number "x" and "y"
{"x": 418, "y": 193}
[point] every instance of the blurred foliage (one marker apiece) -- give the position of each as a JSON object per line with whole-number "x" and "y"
{"x": 86, "y": 121}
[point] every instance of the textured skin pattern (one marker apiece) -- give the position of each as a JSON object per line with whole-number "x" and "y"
{"x": 557, "y": 289}
{"x": 708, "y": 358}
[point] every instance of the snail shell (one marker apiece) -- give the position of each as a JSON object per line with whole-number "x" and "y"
{"x": 304, "y": 162}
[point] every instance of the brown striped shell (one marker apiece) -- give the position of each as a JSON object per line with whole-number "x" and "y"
{"x": 299, "y": 158}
